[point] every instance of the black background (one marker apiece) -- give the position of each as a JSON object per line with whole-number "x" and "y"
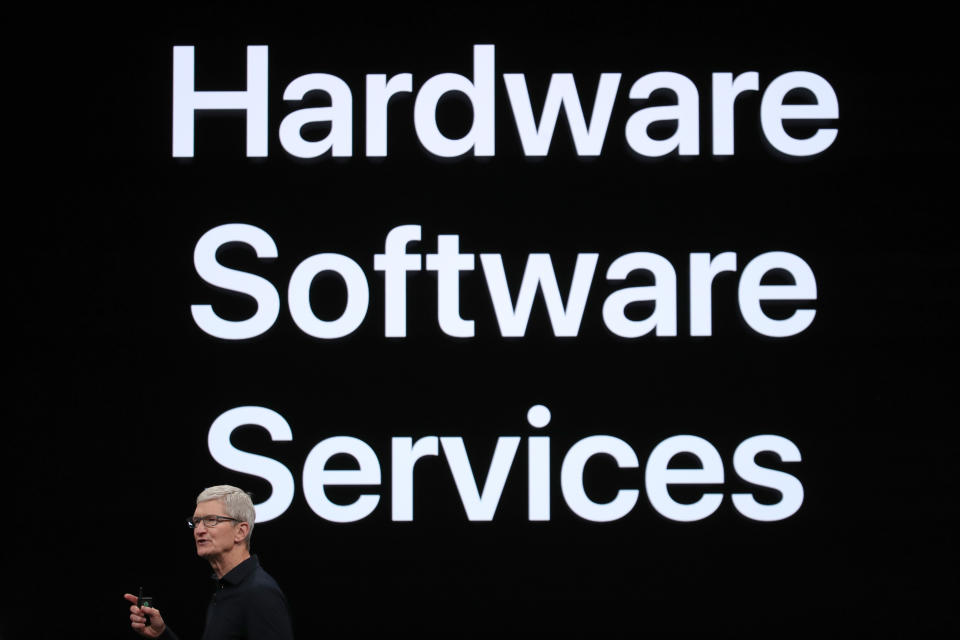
{"x": 116, "y": 387}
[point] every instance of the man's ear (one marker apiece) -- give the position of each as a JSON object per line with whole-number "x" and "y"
{"x": 241, "y": 532}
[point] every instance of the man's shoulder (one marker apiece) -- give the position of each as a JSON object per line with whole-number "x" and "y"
{"x": 261, "y": 581}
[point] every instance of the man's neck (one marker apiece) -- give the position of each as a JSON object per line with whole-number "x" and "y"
{"x": 224, "y": 564}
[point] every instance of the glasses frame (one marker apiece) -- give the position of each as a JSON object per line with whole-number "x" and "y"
{"x": 192, "y": 523}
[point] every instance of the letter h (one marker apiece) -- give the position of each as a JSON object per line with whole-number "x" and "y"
{"x": 187, "y": 100}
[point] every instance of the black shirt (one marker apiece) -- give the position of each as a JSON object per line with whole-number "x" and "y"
{"x": 247, "y": 604}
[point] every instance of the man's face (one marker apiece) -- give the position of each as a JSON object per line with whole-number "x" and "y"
{"x": 213, "y": 541}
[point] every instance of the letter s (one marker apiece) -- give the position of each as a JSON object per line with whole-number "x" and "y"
{"x": 279, "y": 477}
{"x": 788, "y": 485}
{"x": 212, "y": 272}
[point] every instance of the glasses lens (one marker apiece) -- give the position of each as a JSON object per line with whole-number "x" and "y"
{"x": 208, "y": 521}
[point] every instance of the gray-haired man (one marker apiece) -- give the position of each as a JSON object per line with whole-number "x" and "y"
{"x": 247, "y": 602}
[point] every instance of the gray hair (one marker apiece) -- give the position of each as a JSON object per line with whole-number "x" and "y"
{"x": 236, "y": 502}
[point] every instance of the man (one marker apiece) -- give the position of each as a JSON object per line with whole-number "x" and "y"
{"x": 247, "y": 602}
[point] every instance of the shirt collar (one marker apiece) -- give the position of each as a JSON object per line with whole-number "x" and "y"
{"x": 239, "y": 573}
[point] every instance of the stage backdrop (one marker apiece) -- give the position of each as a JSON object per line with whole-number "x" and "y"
{"x": 632, "y": 322}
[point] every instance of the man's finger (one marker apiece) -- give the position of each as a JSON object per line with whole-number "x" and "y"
{"x": 150, "y": 611}
{"x": 130, "y": 597}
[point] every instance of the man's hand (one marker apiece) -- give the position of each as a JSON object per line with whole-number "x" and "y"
{"x": 138, "y": 621}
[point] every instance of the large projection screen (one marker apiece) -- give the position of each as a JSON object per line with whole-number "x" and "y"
{"x": 626, "y": 321}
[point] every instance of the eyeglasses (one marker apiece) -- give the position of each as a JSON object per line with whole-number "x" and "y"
{"x": 209, "y": 521}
